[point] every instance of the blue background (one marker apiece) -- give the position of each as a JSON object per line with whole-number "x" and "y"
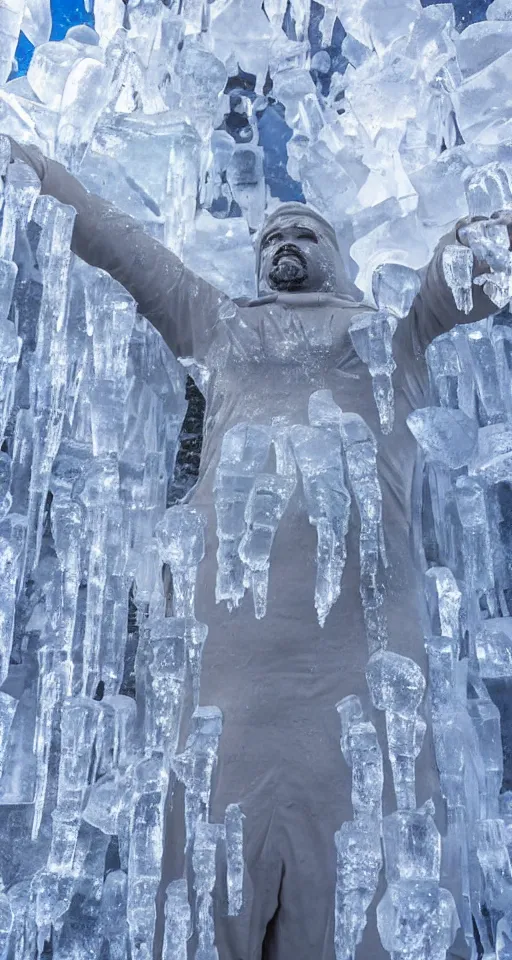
{"x": 66, "y": 13}
{"x": 272, "y": 128}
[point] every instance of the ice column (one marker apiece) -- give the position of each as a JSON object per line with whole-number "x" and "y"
{"x": 458, "y": 272}
{"x": 233, "y": 825}
{"x": 397, "y": 685}
{"x": 372, "y": 336}
{"x": 361, "y": 457}
{"x": 195, "y": 766}
{"x": 206, "y": 839}
{"x": 178, "y": 921}
{"x": 359, "y": 857}
{"x": 319, "y": 458}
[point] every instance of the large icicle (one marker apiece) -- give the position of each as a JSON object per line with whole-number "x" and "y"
{"x": 361, "y": 456}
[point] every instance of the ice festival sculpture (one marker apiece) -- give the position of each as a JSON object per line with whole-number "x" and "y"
{"x": 411, "y": 136}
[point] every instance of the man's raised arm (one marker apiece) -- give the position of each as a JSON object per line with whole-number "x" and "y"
{"x": 179, "y": 304}
{"x": 434, "y": 310}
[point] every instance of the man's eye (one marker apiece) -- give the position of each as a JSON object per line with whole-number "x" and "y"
{"x": 271, "y": 237}
{"x": 308, "y": 235}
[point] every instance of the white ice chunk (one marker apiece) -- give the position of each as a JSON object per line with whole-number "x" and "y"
{"x": 397, "y": 685}
{"x": 318, "y": 455}
{"x": 359, "y": 860}
{"x": 265, "y": 507}
{"x": 178, "y": 921}
{"x": 206, "y": 839}
{"x": 458, "y": 273}
{"x": 372, "y": 337}
{"x": 443, "y": 601}
{"x": 412, "y": 845}
{"x": 394, "y": 288}
{"x": 180, "y": 539}
{"x": 361, "y": 456}
{"x": 417, "y": 918}
{"x": 49, "y": 69}
{"x": 37, "y": 21}
{"x": 494, "y": 648}
{"x": 233, "y": 824}
{"x": 446, "y": 436}
{"x": 195, "y": 766}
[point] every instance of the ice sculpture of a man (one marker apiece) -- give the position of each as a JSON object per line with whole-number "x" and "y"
{"x": 278, "y": 675}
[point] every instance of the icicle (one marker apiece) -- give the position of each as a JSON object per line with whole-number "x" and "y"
{"x": 178, "y": 921}
{"x": 195, "y": 766}
{"x": 207, "y": 836}
{"x": 397, "y": 685}
{"x": 267, "y": 502}
{"x": 233, "y": 825}
{"x": 361, "y": 455}
{"x": 244, "y": 453}
{"x": 318, "y": 455}
{"x": 372, "y": 336}
{"x": 180, "y": 539}
{"x": 458, "y": 273}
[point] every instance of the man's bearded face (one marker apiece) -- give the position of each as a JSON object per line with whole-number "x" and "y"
{"x": 296, "y": 257}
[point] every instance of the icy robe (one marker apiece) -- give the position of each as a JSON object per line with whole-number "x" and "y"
{"x": 277, "y": 680}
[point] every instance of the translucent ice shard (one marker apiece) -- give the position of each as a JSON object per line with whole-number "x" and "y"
{"x": 501, "y": 338}
{"x": 8, "y": 577}
{"x": 318, "y": 455}
{"x": 178, "y": 921}
{"x": 394, "y": 287}
{"x": 489, "y": 242}
{"x": 11, "y": 16}
{"x": 180, "y": 538}
{"x": 164, "y": 696}
{"x": 417, "y": 918}
{"x": 476, "y": 543}
{"x": 483, "y": 361}
{"x": 493, "y": 644}
{"x": 244, "y": 453}
{"x": 8, "y": 706}
{"x": 48, "y": 386}
{"x": 37, "y": 21}
{"x": 98, "y": 489}
{"x": 80, "y": 719}
{"x": 446, "y": 436}
{"x": 372, "y": 336}
{"x": 443, "y": 600}
{"x": 359, "y": 860}
{"x": 361, "y": 456}
{"x": 22, "y": 187}
{"x": 112, "y": 926}
{"x": 412, "y": 845}
{"x": 458, "y": 272}
{"x": 146, "y": 827}
{"x": 195, "y": 766}
{"x": 267, "y": 502}
{"x": 247, "y": 182}
{"x": 206, "y": 838}
{"x": 494, "y": 860}
{"x": 397, "y": 685}
{"x": 360, "y": 747}
{"x": 234, "y": 830}
{"x": 449, "y": 375}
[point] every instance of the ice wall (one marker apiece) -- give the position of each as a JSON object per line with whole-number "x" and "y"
{"x": 414, "y": 135}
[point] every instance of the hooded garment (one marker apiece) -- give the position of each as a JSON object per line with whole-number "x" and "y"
{"x": 277, "y": 680}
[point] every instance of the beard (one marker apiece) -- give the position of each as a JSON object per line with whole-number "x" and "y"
{"x": 289, "y": 269}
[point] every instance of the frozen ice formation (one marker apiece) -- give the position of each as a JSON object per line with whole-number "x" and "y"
{"x": 358, "y": 843}
{"x": 372, "y": 336}
{"x": 360, "y": 450}
{"x": 100, "y": 645}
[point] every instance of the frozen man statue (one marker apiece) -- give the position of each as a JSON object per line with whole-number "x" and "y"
{"x": 305, "y": 484}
